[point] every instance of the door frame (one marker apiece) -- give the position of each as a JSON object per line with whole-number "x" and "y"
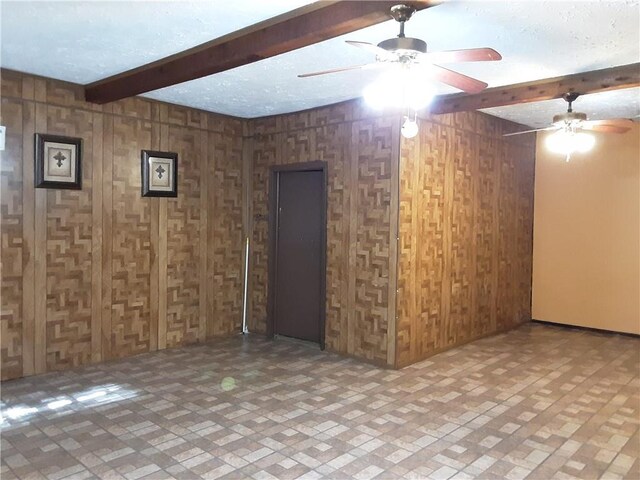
{"x": 274, "y": 178}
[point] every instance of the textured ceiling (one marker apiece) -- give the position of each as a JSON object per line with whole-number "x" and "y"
{"x": 85, "y": 41}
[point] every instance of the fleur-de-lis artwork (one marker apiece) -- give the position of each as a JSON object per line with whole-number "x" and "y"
{"x": 159, "y": 174}
{"x": 58, "y": 161}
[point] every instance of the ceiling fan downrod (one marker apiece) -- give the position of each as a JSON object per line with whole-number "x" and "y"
{"x": 570, "y": 117}
{"x": 412, "y": 46}
{"x": 570, "y": 97}
{"x": 402, "y": 14}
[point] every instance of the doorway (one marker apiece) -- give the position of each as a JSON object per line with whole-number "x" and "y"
{"x": 297, "y": 260}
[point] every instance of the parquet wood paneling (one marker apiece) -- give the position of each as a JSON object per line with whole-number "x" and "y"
{"x": 12, "y": 86}
{"x": 11, "y": 227}
{"x": 203, "y": 241}
{"x": 431, "y": 235}
{"x": 359, "y": 264}
{"x": 338, "y": 113}
{"x": 507, "y": 237}
{"x": 125, "y": 274}
{"x": 107, "y": 238}
{"x": 28, "y": 232}
{"x": 465, "y": 233}
{"x": 463, "y": 171}
{"x": 332, "y": 147}
{"x": 486, "y": 200}
{"x": 183, "y": 241}
{"x": 298, "y": 146}
{"x": 266, "y": 152}
{"x": 83, "y": 270}
{"x": 373, "y": 139}
{"x": 69, "y": 250}
{"x": 524, "y": 254}
{"x": 407, "y": 255}
{"x": 131, "y": 247}
{"x": 40, "y": 249}
{"x": 226, "y": 235}
{"x": 96, "y": 236}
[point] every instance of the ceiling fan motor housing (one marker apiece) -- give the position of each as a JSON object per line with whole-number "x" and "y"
{"x": 404, "y": 43}
{"x": 569, "y": 117}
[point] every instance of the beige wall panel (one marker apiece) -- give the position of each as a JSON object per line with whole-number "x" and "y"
{"x": 586, "y": 246}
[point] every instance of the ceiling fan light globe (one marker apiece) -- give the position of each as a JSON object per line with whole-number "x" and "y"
{"x": 376, "y": 95}
{"x": 560, "y": 142}
{"x": 566, "y": 142}
{"x": 383, "y": 92}
{"x": 409, "y": 128}
{"x": 401, "y": 87}
{"x": 417, "y": 93}
{"x": 584, "y": 142}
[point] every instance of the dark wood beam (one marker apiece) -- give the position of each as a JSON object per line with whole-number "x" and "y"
{"x": 625, "y": 76}
{"x": 295, "y": 29}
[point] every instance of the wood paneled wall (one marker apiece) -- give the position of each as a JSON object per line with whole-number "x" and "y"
{"x": 428, "y": 240}
{"x": 465, "y": 229}
{"x": 361, "y": 152}
{"x": 103, "y": 273}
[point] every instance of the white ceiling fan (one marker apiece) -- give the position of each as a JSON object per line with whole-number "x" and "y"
{"x": 571, "y": 129}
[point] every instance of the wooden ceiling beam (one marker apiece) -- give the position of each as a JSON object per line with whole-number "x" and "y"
{"x": 625, "y": 76}
{"x": 298, "y": 28}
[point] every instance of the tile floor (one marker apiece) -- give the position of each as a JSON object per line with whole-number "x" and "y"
{"x": 540, "y": 402}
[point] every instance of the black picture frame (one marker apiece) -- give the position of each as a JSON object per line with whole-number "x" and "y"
{"x": 43, "y": 176}
{"x": 148, "y": 190}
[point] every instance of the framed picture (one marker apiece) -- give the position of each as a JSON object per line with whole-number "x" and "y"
{"x": 58, "y": 162}
{"x": 159, "y": 174}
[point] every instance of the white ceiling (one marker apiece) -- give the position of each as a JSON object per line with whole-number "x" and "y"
{"x": 88, "y": 40}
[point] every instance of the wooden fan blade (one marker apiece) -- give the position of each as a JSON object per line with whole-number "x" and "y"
{"x": 468, "y": 55}
{"x": 370, "y": 47}
{"x": 336, "y": 70}
{"x": 612, "y": 125}
{"x": 530, "y": 131}
{"x": 456, "y": 79}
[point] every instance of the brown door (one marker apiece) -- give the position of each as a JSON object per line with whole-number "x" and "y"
{"x": 298, "y": 302}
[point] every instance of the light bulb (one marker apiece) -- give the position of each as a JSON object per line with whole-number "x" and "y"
{"x": 401, "y": 87}
{"x": 584, "y": 142}
{"x": 566, "y": 142}
{"x": 375, "y": 94}
{"x": 409, "y": 128}
{"x": 559, "y": 142}
{"x": 416, "y": 93}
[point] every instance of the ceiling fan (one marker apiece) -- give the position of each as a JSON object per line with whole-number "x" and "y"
{"x": 412, "y": 53}
{"x": 570, "y": 129}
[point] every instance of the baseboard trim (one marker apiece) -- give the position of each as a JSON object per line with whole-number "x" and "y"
{"x": 369, "y": 361}
{"x": 431, "y": 353}
{"x": 581, "y": 327}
